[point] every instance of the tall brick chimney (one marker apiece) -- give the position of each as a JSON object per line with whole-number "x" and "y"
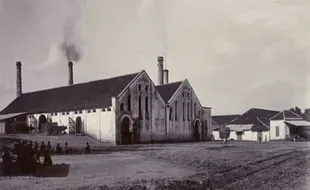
{"x": 166, "y": 76}
{"x": 160, "y": 67}
{"x": 70, "y": 65}
{"x": 18, "y": 78}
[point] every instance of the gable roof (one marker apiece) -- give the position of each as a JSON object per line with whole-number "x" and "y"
{"x": 89, "y": 95}
{"x": 166, "y": 91}
{"x": 286, "y": 114}
{"x": 223, "y": 119}
{"x": 256, "y": 116}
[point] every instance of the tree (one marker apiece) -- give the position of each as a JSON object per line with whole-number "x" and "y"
{"x": 224, "y": 133}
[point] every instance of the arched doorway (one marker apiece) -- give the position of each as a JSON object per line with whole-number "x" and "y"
{"x": 196, "y": 133}
{"x": 78, "y": 125}
{"x": 126, "y": 132}
{"x": 42, "y": 122}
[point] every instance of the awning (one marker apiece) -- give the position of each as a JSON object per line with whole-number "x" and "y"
{"x": 11, "y": 115}
{"x": 299, "y": 123}
{"x": 240, "y": 128}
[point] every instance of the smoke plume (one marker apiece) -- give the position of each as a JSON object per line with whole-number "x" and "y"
{"x": 70, "y": 46}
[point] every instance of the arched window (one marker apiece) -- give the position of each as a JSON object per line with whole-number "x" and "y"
{"x": 147, "y": 107}
{"x": 170, "y": 114}
{"x": 176, "y": 111}
{"x": 146, "y": 88}
{"x": 188, "y": 117}
{"x": 122, "y": 107}
{"x": 183, "y": 111}
{"x": 139, "y": 87}
{"x": 195, "y": 109}
{"x": 129, "y": 102}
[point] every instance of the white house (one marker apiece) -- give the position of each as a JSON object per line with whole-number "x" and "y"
{"x": 249, "y": 126}
{"x": 121, "y": 110}
{"x": 287, "y": 124}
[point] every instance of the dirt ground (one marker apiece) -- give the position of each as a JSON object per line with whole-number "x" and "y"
{"x": 241, "y": 165}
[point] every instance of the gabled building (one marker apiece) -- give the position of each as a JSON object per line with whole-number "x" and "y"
{"x": 250, "y": 125}
{"x": 124, "y": 109}
{"x": 288, "y": 124}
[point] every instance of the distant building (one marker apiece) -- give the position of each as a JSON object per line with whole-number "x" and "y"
{"x": 250, "y": 125}
{"x": 221, "y": 120}
{"x": 287, "y": 125}
{"x": 124, "y": 109}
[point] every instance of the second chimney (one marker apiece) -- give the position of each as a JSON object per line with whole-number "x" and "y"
{"x": 166, "y": 76}
{"x": 70, "y": 65}
{"x": 18, "y": 79}
{"x": 160, "y": 67}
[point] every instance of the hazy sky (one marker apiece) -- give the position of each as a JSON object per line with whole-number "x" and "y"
{"x": 237, "y": 54}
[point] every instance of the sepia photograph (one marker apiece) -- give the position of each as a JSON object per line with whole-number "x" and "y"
{"x": 154, "y": 94}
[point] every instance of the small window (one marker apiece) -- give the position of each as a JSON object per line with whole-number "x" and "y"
{"x": 67, "y": 113}
{"x": 183, "y": 94}
{"x": 183, "y": 111}
{"x": 102, "y": 109}
{"x": 56, "y": 114}
{"x": 88, "y": 111}
{"x": 51, "y": 115}
{"x": 170, "y": 114}
{"x": 129, "y": 102}
{"x": 94, "y": 110}
{"x": 80, "y": 111}
{"x": 187, "y": 94}
{"x": 277, "y": 131}
{"x": 176, "y": 111}
{"x": 146, "y": 107}
{"x": 146, "y": 88}
{"x": 195, "y": 109}
{"x": 139, "y": 87}
{"x": 109, "y": 109}
{"x": 122, "y": 107}
{"x": 76, "y": 112}
{"x": 188, "y": 116}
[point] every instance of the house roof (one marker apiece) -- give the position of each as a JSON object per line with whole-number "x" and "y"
{"x": 240, "y": 128}
{"x": 256, "y": 116}
{"x": 9, "y": 116}
{"x": 166, "y": 91}
{"x": 299, "y": 123}
{"x": 286, "y": 114}
{"x": 223, "y": 119}
{"x": 89, "y": 95}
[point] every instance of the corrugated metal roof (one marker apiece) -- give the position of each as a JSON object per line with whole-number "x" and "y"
{"x": 11, "y": 115}
{"x": 240, "y": 128}
{"x": 299, "y": 123}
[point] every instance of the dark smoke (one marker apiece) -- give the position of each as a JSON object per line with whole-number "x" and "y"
{"x": 71, "y": 51}
{"x": 70, "y": 46}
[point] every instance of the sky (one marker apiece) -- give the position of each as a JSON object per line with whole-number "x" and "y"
{"x": 237, "y": 54}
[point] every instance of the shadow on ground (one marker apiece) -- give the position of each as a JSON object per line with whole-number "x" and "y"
{"x": 56, "y": 170}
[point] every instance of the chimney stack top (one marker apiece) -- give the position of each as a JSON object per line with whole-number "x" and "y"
{"x": 160, "y": 58}
{"x": 18, "y": 63}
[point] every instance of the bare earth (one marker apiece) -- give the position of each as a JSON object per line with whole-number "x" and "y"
{"x": 241, "y": 165}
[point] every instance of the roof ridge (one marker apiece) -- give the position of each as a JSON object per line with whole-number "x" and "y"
{"x": 99, "y": 80}
{"x": 294, "y": 113}
{"x": 169, "y": 83}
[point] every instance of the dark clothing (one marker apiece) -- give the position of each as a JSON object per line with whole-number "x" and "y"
{"x": 42, "y": 149}
{"x": 47, "y": 158}
{"x": 58, "y": 150}
{"x": 7, "y": 162}
{"x": 87, "y": 149}
{"x": 49, "y": 147}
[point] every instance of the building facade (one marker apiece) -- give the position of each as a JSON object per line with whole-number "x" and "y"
{"x": 122, "y": 110}
{"x": 287, "y": 125}
{"x": 249, "y": 126}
